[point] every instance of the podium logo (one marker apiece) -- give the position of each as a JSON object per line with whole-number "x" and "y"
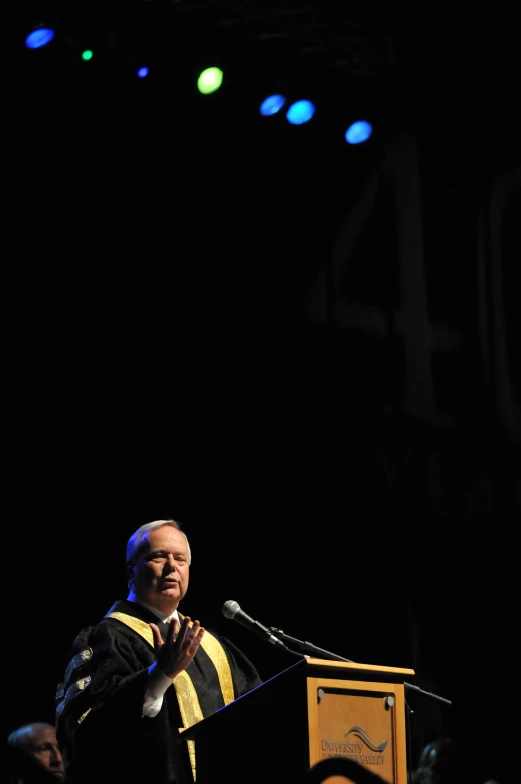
{"x": 354, "y": 749}
{"x": 362, "y": 734}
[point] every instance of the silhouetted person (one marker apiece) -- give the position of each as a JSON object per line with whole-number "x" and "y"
{"x": 441, "y": 762}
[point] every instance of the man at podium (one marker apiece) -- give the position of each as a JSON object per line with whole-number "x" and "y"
{"x": 143, "y": 672}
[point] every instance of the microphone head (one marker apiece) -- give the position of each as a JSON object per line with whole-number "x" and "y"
{"x": 230, "y": 608}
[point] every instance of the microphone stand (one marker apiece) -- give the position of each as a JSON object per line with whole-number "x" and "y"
{"x": 311, "y": 649}
{"x": 308, "y": 647}
{"x": 427, "y": 693}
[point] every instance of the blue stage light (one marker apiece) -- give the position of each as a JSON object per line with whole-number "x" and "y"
{"x": 272, "y": 104}
{"x": 39, "y": 37}
{"x": 142, "y": 72}
{"x": 300, "y": 112}
{"x": 358, "y": 132}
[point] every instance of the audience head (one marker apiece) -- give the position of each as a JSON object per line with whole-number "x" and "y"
{"x": 34, "y": 749}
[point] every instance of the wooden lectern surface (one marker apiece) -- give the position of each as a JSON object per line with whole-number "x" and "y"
{"x": 347, "y": 669}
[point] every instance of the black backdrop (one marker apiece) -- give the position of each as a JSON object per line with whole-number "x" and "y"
{"x": 158, "y": 362}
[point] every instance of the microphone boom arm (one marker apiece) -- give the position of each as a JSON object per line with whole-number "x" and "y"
{"x": 312, "y": 649}
{"x": 308, "y": 647}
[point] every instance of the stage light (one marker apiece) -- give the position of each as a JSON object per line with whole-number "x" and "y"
{"x": 209, "y": 80}
{"x": 39, "y": 37}
{"x": 88, "y": 54}
{"x": 300, "y": 112}
{"x": 271, "y": 105}
{"x": 358, "y": 132}
{"x": 142, "y": 72}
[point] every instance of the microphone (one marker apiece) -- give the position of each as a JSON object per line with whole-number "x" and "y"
{"x": 232, "y": 610}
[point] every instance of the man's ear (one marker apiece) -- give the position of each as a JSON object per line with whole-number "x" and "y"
{"x": 130, "y": 571}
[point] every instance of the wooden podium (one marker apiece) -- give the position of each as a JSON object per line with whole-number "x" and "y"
{"x": 314, "y": 710}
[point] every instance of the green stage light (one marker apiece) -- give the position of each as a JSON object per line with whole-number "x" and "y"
{"x": 87, "y": 54}
{"x": 209, "y": 80}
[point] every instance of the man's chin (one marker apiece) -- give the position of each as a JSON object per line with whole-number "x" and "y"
{"x": 172, "y": 593}
{"x": 172, "y": 589}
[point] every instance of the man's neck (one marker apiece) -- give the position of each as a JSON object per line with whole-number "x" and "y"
{"x": 132, "y": 597}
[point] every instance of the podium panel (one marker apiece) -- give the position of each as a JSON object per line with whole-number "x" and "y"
{"x": 358, "y": 720}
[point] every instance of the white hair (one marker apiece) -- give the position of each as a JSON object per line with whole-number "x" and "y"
{"x": 134, "y": 543}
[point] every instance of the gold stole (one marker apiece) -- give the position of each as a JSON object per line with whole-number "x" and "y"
{"x": 187, "y": 697}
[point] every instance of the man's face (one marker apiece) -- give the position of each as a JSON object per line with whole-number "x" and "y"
{"x": 160, "y": 574}
{"x": 44, "y": 747}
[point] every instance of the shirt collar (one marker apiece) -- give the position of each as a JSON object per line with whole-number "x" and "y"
{"x": 161, "y": 615}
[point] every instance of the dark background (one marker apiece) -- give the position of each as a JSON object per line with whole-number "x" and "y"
{"x": 161, "y": 253}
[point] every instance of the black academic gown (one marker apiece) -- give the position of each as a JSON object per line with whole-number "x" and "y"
{"x": 99, "y": 722}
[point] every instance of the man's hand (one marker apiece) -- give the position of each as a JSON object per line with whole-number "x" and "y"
{"x": 174, "y": 654}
